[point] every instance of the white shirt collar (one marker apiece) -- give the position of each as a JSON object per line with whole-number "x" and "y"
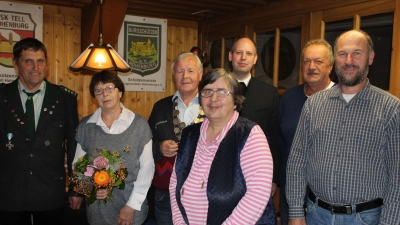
{"x": 177, "y": 93}
{"x": 246, "y": 81}
{"x": 126, "y": 115}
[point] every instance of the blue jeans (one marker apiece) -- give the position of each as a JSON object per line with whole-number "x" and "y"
{"x": 162, "y": 207}
{"x": 316, "y": 216}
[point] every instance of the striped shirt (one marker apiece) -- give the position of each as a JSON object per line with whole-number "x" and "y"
{"x": 347, "y": 153}
{"x": 257, "y": 167}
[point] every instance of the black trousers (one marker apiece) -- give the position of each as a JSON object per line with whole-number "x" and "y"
{"x": 48, "y": 217}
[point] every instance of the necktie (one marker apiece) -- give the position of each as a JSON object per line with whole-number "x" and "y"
{"x": 30, "y": 114}
{"x": 243, "y": 88}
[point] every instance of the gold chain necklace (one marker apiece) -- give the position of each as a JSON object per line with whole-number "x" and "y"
{"x": 178, "y": 125}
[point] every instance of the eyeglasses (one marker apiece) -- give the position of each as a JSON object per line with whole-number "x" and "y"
{"x": 31, "y": 62}
{"x": 222, "y": 93}
{"x": 108, "y": 89}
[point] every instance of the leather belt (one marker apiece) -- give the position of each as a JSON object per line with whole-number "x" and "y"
{"x": 346, "y": 209}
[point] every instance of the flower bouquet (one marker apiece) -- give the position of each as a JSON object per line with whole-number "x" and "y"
{"x": 98, "y": 169}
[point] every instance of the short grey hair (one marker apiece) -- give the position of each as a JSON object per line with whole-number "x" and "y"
{"x": 323, "y": 42}
{"x": 185, "y": 55}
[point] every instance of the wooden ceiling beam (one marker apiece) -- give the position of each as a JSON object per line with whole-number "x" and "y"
{"x": 168, "y": 8}
{"x": 173, "y": 11}
{"x": 205, "y": 4}
{"x": 160, "y": 16}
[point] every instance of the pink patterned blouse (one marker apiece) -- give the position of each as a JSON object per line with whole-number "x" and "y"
{"x": 257, "y": 167}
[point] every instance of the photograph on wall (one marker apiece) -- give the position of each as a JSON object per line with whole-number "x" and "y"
{"x": 17, "y": 21}
{"x": 142, "y": 43}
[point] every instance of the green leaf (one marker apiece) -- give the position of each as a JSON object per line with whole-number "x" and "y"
{"x": 122, "y": 185}
{"x": 91, "y": 198}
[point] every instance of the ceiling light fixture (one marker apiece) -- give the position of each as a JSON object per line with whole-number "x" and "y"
{"x": 101, "y": 56}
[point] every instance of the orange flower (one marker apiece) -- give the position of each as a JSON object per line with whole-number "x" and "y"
{"x": 101, "y": 178}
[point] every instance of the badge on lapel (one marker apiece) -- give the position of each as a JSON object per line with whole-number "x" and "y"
{"x": 9, "y": 145}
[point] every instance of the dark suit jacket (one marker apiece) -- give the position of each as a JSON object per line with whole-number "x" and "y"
{"x": 261, "y": 106}
{"x": 32, "y": 174}
{"x": 161, "y": 124}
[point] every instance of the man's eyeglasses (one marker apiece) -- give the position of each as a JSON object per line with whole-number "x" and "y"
{"x": 108, "y": 89}
{"x": 222, "y": 93}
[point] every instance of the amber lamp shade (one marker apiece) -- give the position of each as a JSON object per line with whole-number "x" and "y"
{"x": 101, "y": 57}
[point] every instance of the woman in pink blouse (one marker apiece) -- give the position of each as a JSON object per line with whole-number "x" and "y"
{"x": 223, "y": 170}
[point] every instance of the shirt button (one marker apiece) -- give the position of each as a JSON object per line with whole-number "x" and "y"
{"x": 31, "y": 155}
{"x": 27, "y": 139}
{"x": 30, "y": 172}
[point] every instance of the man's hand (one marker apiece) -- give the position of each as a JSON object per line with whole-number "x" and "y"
{"x": 298, "y": 221}
{"x": 273, "y": 189}
{"x": 169, "y": 148}
{"x": 126, "y": 215}
{"x": 75, "y": 202}
{"x": 101, "y": 194}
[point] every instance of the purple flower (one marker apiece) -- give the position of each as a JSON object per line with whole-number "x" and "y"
{"x": 100, "y": 163}
{"x": 89, "y": 171}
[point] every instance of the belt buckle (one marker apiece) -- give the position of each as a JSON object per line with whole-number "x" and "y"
{"x": 348, "y": 209}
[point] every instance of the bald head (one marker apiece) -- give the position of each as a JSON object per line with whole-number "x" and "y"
{"x": 353, "y": 55}
{"x": 243, "y": 56}
{"x": 356, "y": 34}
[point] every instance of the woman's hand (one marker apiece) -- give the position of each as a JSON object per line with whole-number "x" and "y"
{"x": 101, "y": 194}
{"x": 126, "y": 215}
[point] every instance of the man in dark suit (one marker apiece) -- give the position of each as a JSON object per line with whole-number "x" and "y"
{"x": 32, "y": 173}
{"x": 261, "y": 103}
{"x": 168, "y": 117}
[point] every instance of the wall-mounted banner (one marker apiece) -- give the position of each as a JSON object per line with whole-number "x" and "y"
{"x": 17, "y": 21}
{"x": 142, "y": 42}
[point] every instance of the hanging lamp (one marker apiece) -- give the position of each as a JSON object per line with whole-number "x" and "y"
{"x": 101, "y": 56}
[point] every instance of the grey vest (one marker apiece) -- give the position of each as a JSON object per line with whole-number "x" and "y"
{"x": 129, "y": 144}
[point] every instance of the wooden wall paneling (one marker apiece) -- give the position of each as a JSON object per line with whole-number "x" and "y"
{"x": 226, "y": 33}
{"x": 275, "y": 75}
{"x": 315, "y": 25}
{"x": 361, "y": 9}
{"x": 322, "y": 30}
{"x": 394, "y": 86}
{"x": 222, "y": 52}
{"x": 48, "y": 42}
{"x": 275, "y": 10}
{"x": 249, "y": 31}
{"x": 305, "y": 36}
{"x": 356, "y": 22}
{"x": 282, "y": 23}
{"x": 59, "y": 52}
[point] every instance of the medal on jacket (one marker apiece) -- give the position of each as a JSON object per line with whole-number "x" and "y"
{"x": 9, "y": 145}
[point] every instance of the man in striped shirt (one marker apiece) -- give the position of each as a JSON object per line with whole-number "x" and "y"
{"x": 347, "y": 147}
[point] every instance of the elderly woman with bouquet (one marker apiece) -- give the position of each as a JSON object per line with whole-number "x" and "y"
{"x": 114, "y": 138}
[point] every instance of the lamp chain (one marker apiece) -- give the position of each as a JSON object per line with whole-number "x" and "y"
{"x": 101, "y": 22}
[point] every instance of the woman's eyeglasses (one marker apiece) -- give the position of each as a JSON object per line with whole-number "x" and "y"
{"x": 222, "y": 93}
{"x": 108, "y": 89}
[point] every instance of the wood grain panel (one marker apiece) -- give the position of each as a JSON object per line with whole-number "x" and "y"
{"x": 362, "y": 9}
{"x": 61, "y": 35}
{"x": 394, "y": 85}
